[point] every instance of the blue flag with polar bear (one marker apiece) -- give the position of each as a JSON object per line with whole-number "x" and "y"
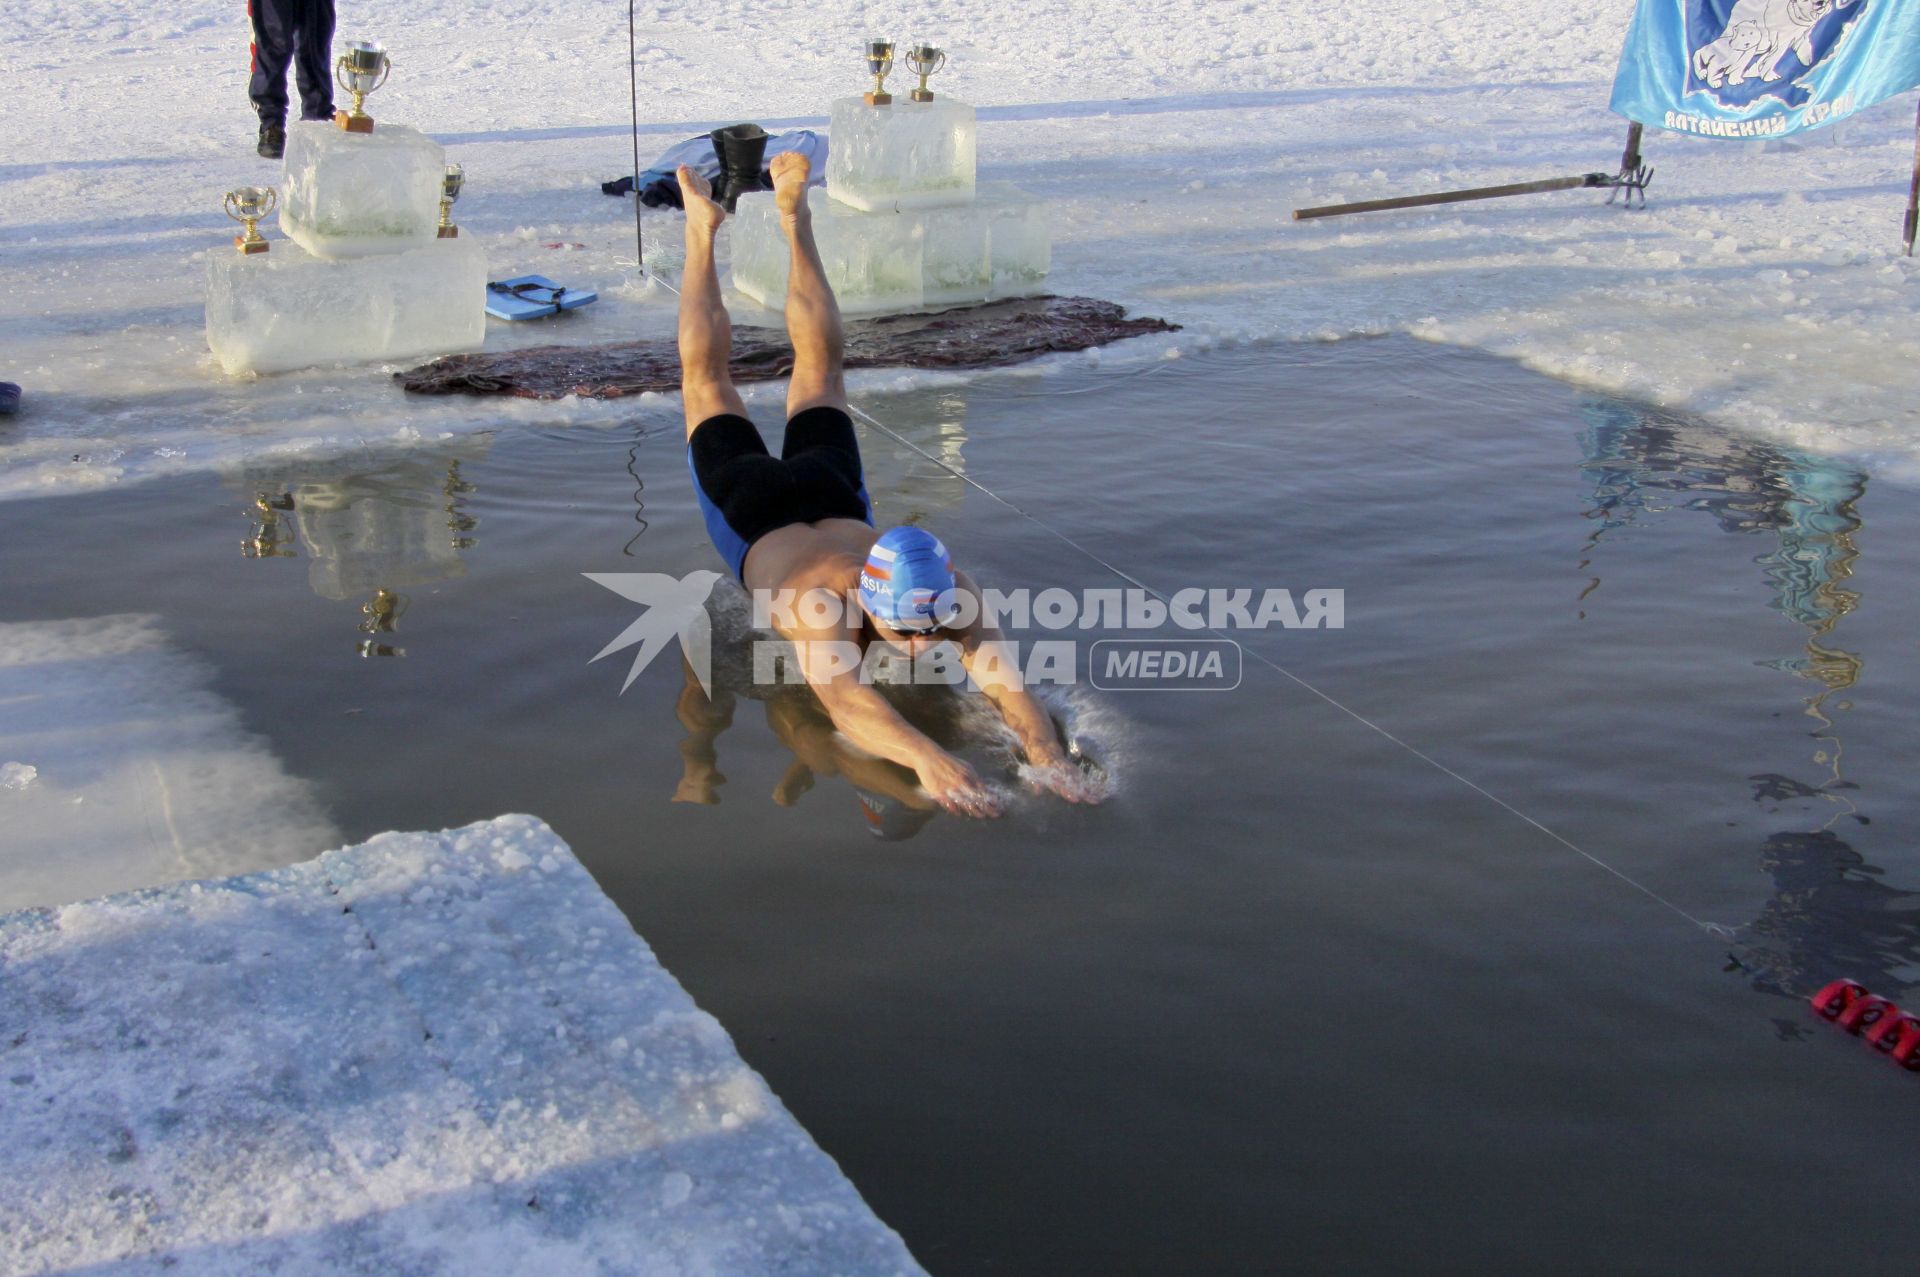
{"x": 1764, "y": 68}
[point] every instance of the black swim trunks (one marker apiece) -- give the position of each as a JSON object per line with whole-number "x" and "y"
{"x": 745, "y": 492}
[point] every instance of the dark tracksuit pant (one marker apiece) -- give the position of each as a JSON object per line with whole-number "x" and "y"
{"x": 296, "y": 31}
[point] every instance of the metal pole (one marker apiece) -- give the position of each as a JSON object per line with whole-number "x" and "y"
{"x": 1630, "y": 159}
{"x": 1913, "y": 192}
{"x": 1455, "y": 197}
{"x": 633, "y": 97}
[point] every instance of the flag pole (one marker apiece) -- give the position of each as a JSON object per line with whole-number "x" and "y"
{"x": 1913, "y": 192}
{"x": 633, "y": 97}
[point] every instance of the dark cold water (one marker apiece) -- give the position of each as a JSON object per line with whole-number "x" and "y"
{"x": 1296, "y": 999}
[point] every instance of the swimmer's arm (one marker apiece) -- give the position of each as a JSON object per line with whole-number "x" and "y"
{"x": 704, "y": 720}
{"x": 865, "y": 718}
{"x": 994, "y": 666}
{"x": 1049, "y": 768}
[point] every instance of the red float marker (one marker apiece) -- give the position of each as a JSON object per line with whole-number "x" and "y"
{"x": 1837, "y": 997}
{"x": 1848, "y": 1004}
{"x": 1866, "y": 1012}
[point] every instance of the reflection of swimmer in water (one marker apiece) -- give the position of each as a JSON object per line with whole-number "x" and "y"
{"x": 890, "y": 797}
{"x": 802, "y": 522}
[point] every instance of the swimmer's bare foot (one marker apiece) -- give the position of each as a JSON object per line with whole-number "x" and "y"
{"x": 703, "y": 215}
{"x": 790, "y": 172}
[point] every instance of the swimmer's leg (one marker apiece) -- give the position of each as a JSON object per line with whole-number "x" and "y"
{"x": 813, "y": 317}
{"x": 706, "y": 332}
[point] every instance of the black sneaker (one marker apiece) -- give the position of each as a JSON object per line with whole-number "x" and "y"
{"x": 273, "y": 141}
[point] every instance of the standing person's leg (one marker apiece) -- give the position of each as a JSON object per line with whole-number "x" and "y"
{"x": 313, "y": 60}
{"x": 706, "y": 331}
{"x": 272, "y": 50}
{"x": 813, "y": 316}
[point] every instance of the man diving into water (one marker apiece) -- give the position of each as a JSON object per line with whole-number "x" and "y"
{"x": 803, "y": 522}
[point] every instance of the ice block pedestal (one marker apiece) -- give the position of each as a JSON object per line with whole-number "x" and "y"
{"x": 907, "y": 155}
{"x": 285, "y": 309}
{"x": 995, "y": 246}
{"x": 360, "y": 194}
{"x": 903, "y": 224}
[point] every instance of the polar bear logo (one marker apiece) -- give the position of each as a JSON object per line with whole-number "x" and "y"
{"x": 1758, "y": 36}
{"x": 1731, "y": 57}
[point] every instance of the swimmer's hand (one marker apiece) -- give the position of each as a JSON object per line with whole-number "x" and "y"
{"x": 957, "y": 787}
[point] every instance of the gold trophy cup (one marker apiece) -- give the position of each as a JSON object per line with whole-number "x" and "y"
{"x": 249, "y": 204}
{"x": 450, "y": 185}
{"x": 879, "y": 63}
{"x": 361, "y": 69}
{"x": 923, "y": 60}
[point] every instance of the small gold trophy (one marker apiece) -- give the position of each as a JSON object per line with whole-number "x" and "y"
{"x": 249, "y": 204}
{"x": 450, "y": 185}
{"x": 879, "y": 63}
{"x": 360, "y": 70}
{"x": 923, "y": 60}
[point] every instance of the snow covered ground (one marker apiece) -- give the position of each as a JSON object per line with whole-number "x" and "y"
{"x": 1762, "y": 288}
{"x": 426, "y": 1054}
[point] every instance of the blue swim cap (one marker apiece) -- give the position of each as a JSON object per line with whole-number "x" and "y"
{"x": 907, "y": 572}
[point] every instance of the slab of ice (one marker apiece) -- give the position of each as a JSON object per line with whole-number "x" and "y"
{"x": 907, "y": 155}
{"x": 1019, "y": 243}
{"x": 428, "y": 1054}
{"x": 285, "y": 309}
{"x": 141, "y": 773}
{"x": 360, "y": 194}
{"x": 997, "y": 246}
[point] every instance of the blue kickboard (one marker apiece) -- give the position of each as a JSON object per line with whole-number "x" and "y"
{"x": 534, "y": 297}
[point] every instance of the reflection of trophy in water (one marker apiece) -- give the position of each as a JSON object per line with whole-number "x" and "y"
{"x": 923, "y": 60}
{"x": 450, "y": 184}
{"x": 363, "y": 68}
{"x": 372, "y": 527}
{"x": 269, "y": 538}
{"x": 382, "y": 612}
{"x": 879, "y": 65}
{"x": 381, "y": 615}
{"x": 248, "y": 205}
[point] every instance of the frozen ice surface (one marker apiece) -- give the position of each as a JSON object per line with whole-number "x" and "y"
{"x": 285, "y": 308}
{"x": 907, "y": 155}
{"x": 360, "y": 194}
{"x": 142, "y": 774}
{"x": 431, "y": 1053}
{"x": 995, "y": 246}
